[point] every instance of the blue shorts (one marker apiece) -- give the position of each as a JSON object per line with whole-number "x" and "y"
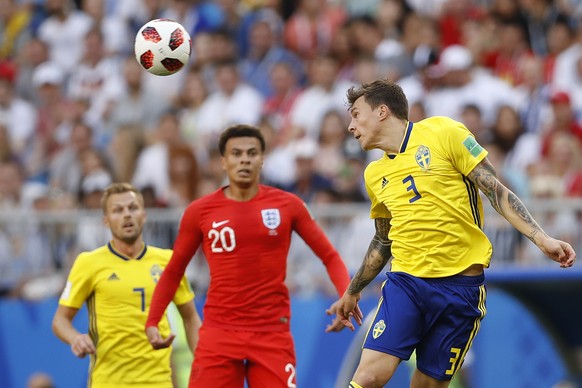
{"x": 438, "y": 318}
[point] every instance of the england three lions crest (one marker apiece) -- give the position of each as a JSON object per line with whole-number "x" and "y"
{"x": 271, "y": 218}
{"x": 422, "y": 157}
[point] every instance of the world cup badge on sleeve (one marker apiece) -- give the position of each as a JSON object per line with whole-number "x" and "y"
{"x": 271, "y": 219}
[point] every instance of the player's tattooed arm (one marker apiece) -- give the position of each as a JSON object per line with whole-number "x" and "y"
{"x": 378, "y": 254}
{"x": 504, "y": 201}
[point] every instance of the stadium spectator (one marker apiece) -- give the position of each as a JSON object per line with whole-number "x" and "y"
{"x": 563, "y": 160}
{"x": 540, "y": 15}
{"x": 277, "y": 107}
{"x": 247, "y": 338}
{"x": 308, "y": 181}
{"x": 24, "y": 244}
{"x": 563, "y": 120}
{"x": 511, "y": 48}
{"x": 55, "y": 112}
{"x": 561, "y": 36}
{"x": 120, "y": 354}
{"x": 420, "y": 82}
{"x": 184, "y": 175}
{"x": 95, "y": 79}
{"x": 324, "y": 93}
{"x": 6, "y": 152}
{"x": 117, "y": 37}
{"x": 265, "y": 51}
{"x": 153, "y": 163}
{"x": 63, "y": 31}
{"x": 195, "y": 16}
{"x": 533, "y": 95}
{"x": 279, "y": 166}
{"x": 464, "y": 83}
{"x": 310, "y": 29}
{"x": 65, "y": 170}
{"x": 188, "y": 103}
{"x": 33, "y": 53}
{"x": 330, "y": 157}
{"x": 564, "y": 73}
{"x": 17, "y": 114}
{"x": 233, "y": 102}
{"x": 367, "y": 39}
{"x": 473, "y": 120}
{"x": 123, "y": 151}
{"x": 15, "y": 20}
{"x": 136, "y": 107}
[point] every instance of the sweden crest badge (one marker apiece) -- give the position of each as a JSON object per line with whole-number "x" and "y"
{"x": 379, "y": 328}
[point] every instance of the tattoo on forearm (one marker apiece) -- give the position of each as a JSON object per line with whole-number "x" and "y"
{"x": 485, "y": 178}
{"x": 376, "y": 257}
{"x": 519, "y": 208}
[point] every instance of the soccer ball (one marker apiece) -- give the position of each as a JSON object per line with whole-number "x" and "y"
{"x": 162, "y": 46}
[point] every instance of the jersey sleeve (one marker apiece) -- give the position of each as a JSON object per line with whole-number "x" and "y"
{"x": 185, "y": 246}
{"x": 463, "y": 148}
{"x": 79, "y": 284}
{"x": 316, "y": 239}
{"x": 184, "y": 292}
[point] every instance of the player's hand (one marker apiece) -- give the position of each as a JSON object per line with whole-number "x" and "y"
{"x": 347, "y": 308}
{"x": 82, "y": 345}
{"x": 559, "y": 251}
{"x": 156, "y": 339}
{"x": 337, "y": 324}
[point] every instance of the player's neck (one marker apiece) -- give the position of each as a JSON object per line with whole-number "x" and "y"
{"x": 241, "y": 194}
{"x": 129, "y": 250}
{"x": 394, "y": 136}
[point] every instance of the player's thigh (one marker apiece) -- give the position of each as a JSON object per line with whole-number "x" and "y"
{"x": 449, "y": 338}
{"x": 219, "y": 360}
{"x": 375, "y": 368}
{"x": 399, "y": 322}
{"x": 271, "y": 361}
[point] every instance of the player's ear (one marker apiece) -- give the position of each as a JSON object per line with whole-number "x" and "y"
{"x": 105, "y": 221}
{"x": 383, "y": 112}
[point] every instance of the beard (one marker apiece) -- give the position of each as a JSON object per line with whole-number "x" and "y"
{"x": 129, "y": 238}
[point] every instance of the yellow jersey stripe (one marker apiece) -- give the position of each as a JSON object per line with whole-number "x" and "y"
{"x": 376, "y": 313}
{"x": 476, "y": 327}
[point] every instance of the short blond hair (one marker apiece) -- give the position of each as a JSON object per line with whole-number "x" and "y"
{"x": 119, "y": 188}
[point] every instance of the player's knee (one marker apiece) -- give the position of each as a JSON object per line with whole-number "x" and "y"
{"x": 367, "y": 379}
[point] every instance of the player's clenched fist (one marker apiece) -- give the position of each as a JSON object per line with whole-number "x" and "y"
{"x": 156, "y": 339}
{"x": 82, "y": 345}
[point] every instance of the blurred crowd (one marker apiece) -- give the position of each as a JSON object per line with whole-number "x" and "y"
{"x": 78, "y": 112}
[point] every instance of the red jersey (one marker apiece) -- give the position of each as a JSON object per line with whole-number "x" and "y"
{"x": 246, "y": 246}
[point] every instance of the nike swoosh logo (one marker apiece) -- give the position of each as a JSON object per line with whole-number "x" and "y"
{"x": 217, "y": 224}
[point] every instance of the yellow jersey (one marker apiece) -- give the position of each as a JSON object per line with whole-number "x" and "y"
{"x": 118, "y": 291}
{"x": 435, "y": 211}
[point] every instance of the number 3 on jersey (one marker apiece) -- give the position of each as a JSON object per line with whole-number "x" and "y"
{"x": 222, "y": 240}
{"x": 412, "y": 187}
